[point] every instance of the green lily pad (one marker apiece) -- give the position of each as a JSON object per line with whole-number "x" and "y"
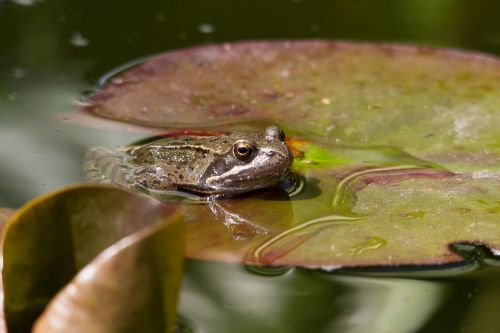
{"x": 93, "y": 258}
{"x": 396, "y": 221}
{"x": 438, "y": 105}
{"x": 345, "y": 217}
{"x": 398, "y": 146}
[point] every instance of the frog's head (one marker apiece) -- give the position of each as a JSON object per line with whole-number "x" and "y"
{"x": 250, "y": 161}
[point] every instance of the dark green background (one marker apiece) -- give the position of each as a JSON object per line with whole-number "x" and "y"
{"x": 119, "y": 31}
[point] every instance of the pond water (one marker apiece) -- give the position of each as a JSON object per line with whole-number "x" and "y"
{"x": 54, "y": 51}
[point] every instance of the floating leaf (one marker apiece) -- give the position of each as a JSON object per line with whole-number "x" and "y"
{"x": 438, "y": 105}
{"x": 126, "y": 251}
{"x": 395, "y": 222}
{"x": 375, "y": 129}
{"x": 381, "y": 217}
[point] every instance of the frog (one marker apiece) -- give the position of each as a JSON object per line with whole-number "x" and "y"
{"x": 229, "y": 164}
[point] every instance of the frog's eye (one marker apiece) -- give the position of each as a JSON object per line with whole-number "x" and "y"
{"x": 242, "y": 150}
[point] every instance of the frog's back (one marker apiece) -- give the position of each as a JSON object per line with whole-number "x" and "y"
{"x": 167, "y": 152}
{"x": 180, "y": 151}
{"x": 165, "y": 164}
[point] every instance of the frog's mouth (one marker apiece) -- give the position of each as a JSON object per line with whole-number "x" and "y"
{"x": 246, "y": 185}
{"x": 267, "y": 169}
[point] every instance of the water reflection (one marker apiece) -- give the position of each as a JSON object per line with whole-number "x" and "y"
{"x": 78, "y": 40}
{"x": 241, "y": 228}
{"x": 25, "y": 2}
{"x": 230, "y": 298}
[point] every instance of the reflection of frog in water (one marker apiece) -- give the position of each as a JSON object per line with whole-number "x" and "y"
{"x": 229, "y": 164}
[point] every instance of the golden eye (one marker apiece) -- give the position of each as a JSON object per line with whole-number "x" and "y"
{"x": 242, "y": 150}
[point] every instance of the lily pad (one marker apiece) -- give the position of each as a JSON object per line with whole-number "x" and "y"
{"x": 402, "y": 222}
{"x": 93, "y": 258}
{"x": 365, "y": 217}
{"x": 397, "y": 147}
{"x": 439, "y": 105}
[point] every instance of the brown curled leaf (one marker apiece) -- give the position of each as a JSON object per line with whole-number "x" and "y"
{"x": 126, "y": 251}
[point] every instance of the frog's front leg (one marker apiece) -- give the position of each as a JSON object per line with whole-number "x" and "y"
{"x": 154, "y": 177}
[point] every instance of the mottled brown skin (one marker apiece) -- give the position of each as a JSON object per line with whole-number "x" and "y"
{"x": 233, "y": 163}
